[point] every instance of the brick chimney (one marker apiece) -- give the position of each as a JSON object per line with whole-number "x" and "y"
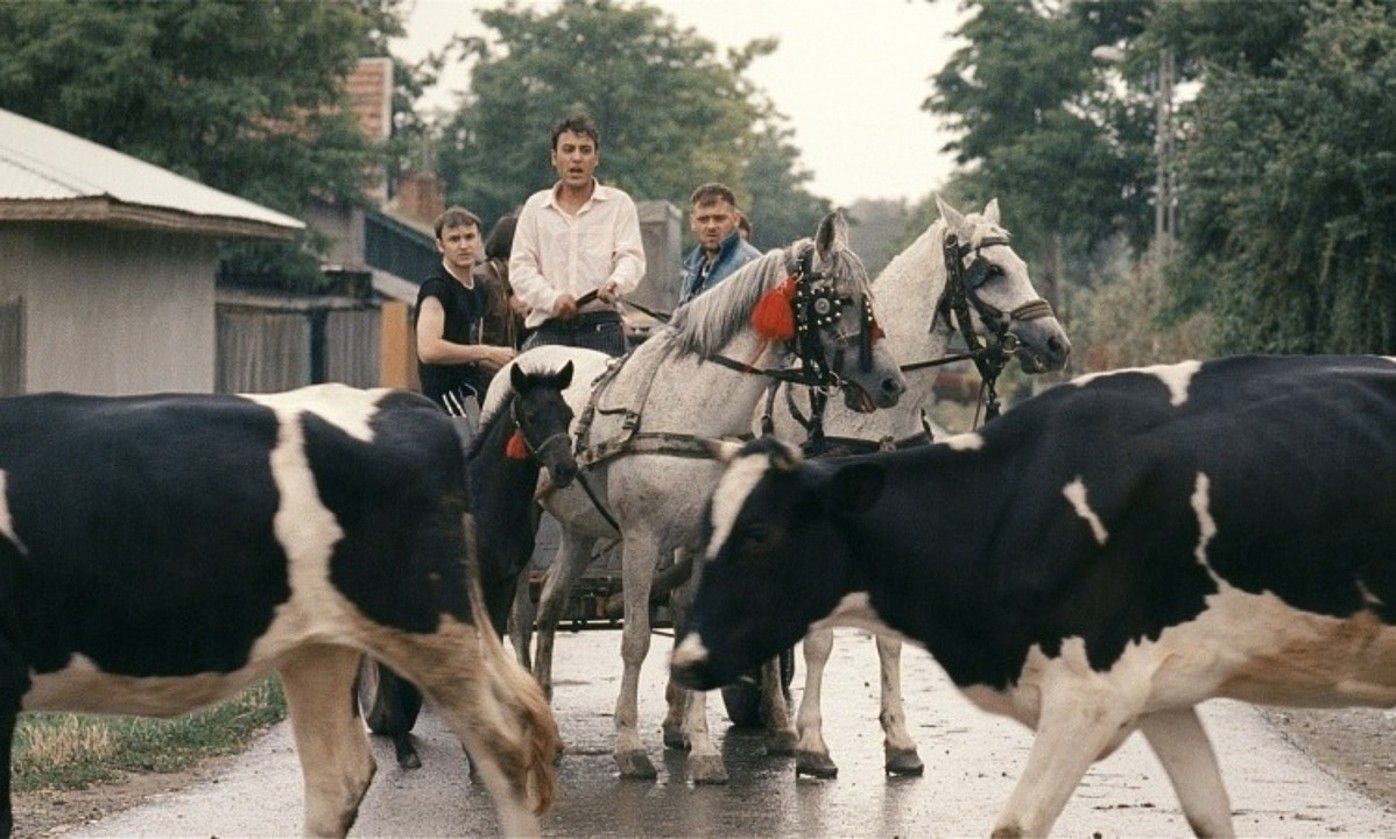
{"x": 420, "y": 197}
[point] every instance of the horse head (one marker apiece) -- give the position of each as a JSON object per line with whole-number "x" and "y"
{"x": 1001, "y": 301}
{"x": 542, "y": 418}
{"x": 836, "y": 334}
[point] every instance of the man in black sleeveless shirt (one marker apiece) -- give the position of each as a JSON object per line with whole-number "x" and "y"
{"x": 451, "y": 362}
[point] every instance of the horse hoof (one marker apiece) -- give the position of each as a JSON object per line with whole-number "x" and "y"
{"x": 674, "y": 739}
{"x": 636, "y": 765}
{"x": 816, "y": 765}
{"x": 782, "y": 744}
{"x": 904, "y": 762}
{"x": 707, "y": 769}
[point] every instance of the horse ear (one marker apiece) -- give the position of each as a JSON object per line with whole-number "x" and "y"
{"x": 991, "y": 211}
{"x": 725, "y": 451}
{"x": 832, "y": 235}
{"x": 564, "y": 376}
{"x": 953, "y": 219}
{"x": 854, "y": 488}
{"x": 518, "y": 378}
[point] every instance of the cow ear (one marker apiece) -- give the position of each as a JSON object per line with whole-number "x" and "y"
{"x": 725, "y": 451}
{"x": 854, "y": 488}
{"x": 518, "y": 378}
{"x": 564, "y": 376}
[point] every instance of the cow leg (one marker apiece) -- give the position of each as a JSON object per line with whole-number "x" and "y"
{"x": 521, "y": 621}
{"x": 573, "y": 554}
{"x": 14, "y": 683}
{"x": 812, "y": 753}
{"x": 1077, "y": 723}
{"x": 782, "y": 738}
{"x": 1182, "y": 746}
{"x": 330, "y": 739}
{"x": 637, "y": 575}
{"x": 897, "y": 746}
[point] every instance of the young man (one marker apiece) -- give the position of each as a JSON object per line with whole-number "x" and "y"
{"x": 577, "y": 248}
{"x": 451, "y": 362}
{"x": 721, "y": 249}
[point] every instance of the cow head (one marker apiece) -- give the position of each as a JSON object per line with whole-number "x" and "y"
{"x": 543, "y": 419}
{"x": 776, "y": 558}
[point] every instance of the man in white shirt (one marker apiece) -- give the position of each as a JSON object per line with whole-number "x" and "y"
{"x": 577, "y": 249}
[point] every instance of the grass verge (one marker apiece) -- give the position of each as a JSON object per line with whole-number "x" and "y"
{"x": 73, "y": 751}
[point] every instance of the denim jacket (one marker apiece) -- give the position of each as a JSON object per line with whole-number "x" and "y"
{"x": 731, "y": 255}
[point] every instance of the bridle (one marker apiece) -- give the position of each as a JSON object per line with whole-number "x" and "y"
{"x": 962, "y": 286}
{"x": 535, "y": 451}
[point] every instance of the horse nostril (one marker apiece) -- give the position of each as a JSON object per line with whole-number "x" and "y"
{"x": 1059, "y": 347}
{"x": 891, "y": 386}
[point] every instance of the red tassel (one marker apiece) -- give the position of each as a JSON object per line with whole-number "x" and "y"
{"x": 773, "y": 318}
{"x": 517, "y": 447}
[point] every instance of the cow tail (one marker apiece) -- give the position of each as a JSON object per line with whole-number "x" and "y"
{"x": 519, "y": 692}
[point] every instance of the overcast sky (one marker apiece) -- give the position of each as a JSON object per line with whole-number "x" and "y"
{"x": 850, "y": 75}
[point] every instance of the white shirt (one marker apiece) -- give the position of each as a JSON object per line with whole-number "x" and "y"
{"x": 556, "y": 253}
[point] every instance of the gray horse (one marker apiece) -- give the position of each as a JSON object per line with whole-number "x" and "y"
{"x": 675, "y": 386}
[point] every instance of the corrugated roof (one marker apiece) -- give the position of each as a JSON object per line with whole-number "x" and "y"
{"x": 51, "y": 175}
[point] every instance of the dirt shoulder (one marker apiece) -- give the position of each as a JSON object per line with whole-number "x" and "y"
{"x": 1356, "y": 745}
{"x": 50, "y": 812}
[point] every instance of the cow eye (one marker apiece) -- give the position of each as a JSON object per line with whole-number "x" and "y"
{"x": 756, "y": 534}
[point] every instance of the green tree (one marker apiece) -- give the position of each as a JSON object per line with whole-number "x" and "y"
{"x": 1290, "y": 185}
{"x": 245, "y": 97}
{"x": 672, "y": 113}
{"x": 1042, "y": 126}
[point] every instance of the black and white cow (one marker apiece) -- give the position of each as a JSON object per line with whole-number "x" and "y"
{"x": 159, "y": 553}
{"x": 1099, "y": 560}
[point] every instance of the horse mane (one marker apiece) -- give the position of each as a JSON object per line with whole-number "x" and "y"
{"x": 489, "y": 421}
{"x": 708, "y": 322}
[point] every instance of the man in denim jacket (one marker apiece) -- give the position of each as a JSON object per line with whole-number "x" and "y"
{"x": 721, "y": 249}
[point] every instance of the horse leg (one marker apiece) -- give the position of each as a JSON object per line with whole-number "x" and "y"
{"x": 330, "y": 739}
{"x": 521, "y": 621}
{"x": 1077, "y": 723}
{"x": 494, "y": 708}
{"x": 573, "y": 554}
{"x": 898, "y": 748}
{"x": 1182, "y": 746}
{"x": 637, "y": 574}
{"x": 782, "y": 738}
{"x": 675, "y": 697}
{"x": 14, "y": 683}
{"x": 812, "y": 753}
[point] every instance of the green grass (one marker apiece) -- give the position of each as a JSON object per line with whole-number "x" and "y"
{"x": 72, "y": 751}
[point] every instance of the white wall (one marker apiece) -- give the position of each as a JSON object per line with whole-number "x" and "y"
{"x": 112, "y": 311}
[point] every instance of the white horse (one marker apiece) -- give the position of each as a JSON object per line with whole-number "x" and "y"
{"x": 673, "y": 384}
{"x": 910, "y": 293}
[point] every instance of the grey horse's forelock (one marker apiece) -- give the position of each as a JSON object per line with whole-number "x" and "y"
{"x": 708, "y": 322}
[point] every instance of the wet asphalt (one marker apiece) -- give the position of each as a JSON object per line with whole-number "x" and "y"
{"x": 971, "y": 762}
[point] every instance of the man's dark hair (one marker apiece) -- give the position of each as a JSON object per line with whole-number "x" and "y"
{"x": 577, "y": 123}
{"x": 744, "y": 224}
{"x": 456, "y": 217}
{"x": 710, "y": 192}
{"x": 501, "y": 238}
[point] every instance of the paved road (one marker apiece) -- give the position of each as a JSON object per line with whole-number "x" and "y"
{"x": 971, "y": 760}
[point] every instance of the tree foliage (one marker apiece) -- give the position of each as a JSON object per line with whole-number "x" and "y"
{"x": 1290, "y": 176}
{"x": 245, "y": 97}
{"x": 672, "y": 113}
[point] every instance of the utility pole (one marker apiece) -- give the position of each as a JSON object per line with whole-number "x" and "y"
{"x": 1165, "y": 182}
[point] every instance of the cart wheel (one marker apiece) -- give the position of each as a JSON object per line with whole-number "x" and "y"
{"x": 743, "y": 697}
{"x": 390, "y": 703}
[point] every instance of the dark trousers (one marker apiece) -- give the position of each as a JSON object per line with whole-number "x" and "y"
{"x": 600, "y": 331}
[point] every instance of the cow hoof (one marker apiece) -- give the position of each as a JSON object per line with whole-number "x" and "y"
{"x": 674, "y": 739}
{"x": 406, "y": 752}
{"x": 904, "y": 762}
{"x": 636, "y": 765}
{"x": 782, "y": 744}
{"x": 816, "y": 765}
{"x": 409, "y": 761}
{"x": 707, "y": 769}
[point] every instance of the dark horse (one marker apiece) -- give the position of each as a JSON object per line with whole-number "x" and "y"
{"x": 528, "y": 431}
